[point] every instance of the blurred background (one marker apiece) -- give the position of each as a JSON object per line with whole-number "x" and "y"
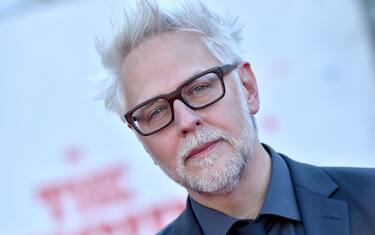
{"x": 68, "y": 167}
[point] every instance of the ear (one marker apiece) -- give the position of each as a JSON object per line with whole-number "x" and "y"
{"x": 249, "y": 85}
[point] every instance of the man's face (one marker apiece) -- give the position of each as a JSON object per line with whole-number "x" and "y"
{"x": 204, "y": 150}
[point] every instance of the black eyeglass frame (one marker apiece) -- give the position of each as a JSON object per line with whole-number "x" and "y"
{"x": 220, "y": 71}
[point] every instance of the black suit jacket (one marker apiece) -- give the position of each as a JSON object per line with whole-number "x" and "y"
{"x": 332, "y": 201}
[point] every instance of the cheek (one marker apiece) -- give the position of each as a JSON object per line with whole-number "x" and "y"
{"x": 162, "y": 148}
{"x": 230, "y": 113}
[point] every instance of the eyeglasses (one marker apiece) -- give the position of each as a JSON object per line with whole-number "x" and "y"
{"x": 197, "y": 92}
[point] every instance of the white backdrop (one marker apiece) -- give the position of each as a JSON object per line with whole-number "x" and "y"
{"x": 69, "y": 167}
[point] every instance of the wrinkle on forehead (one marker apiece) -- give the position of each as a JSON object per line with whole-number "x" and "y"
{"x": 161, "y": 63}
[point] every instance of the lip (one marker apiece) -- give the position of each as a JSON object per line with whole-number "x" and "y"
{"x": 201, "y": 150}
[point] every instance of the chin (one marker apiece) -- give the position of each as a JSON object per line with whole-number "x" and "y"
{"x": 226, "y": 189}
{"x": 219, "y": 181}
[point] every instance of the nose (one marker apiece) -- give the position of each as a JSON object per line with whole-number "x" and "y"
{"x": 186, "y": 119}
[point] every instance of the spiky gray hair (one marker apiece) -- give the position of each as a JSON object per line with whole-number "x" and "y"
{"x": 148, "y": 18}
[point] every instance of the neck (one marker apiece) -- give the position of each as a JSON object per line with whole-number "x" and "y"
{"x": 246, "y": 200}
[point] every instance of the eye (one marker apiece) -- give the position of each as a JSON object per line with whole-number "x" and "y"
{"x": 157, "y": 112}
{"x": 199, "y": 89}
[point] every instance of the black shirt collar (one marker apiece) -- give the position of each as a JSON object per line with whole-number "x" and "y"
{"x": 280, "y": 200}
{"x": 212, "y": 222}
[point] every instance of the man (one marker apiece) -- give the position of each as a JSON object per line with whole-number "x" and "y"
{"x": 182, "y": 85}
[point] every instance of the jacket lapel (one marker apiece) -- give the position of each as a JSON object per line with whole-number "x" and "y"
{"x": 321, "y": 214}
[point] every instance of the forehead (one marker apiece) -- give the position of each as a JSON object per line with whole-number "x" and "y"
{"x": 161, "y": 63}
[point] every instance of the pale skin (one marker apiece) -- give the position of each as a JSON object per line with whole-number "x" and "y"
{"x": 161, "y": 64}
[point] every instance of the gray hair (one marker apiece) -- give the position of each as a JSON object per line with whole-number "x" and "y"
{"x": 148, "y": 18}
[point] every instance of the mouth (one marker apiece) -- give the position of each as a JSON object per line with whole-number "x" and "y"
{"x": 202, "y": 150}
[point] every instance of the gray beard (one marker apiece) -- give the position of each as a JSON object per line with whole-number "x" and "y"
{"x": 214, "y": 180}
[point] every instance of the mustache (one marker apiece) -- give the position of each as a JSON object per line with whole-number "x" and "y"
{"x": 201, "y": 137}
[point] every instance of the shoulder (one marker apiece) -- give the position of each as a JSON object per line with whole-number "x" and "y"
{"x": 352, "y": 179}
{"x": 343, "y": 177}
{"x": 348, "y": 183}
{"x": 351, "y": 172}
